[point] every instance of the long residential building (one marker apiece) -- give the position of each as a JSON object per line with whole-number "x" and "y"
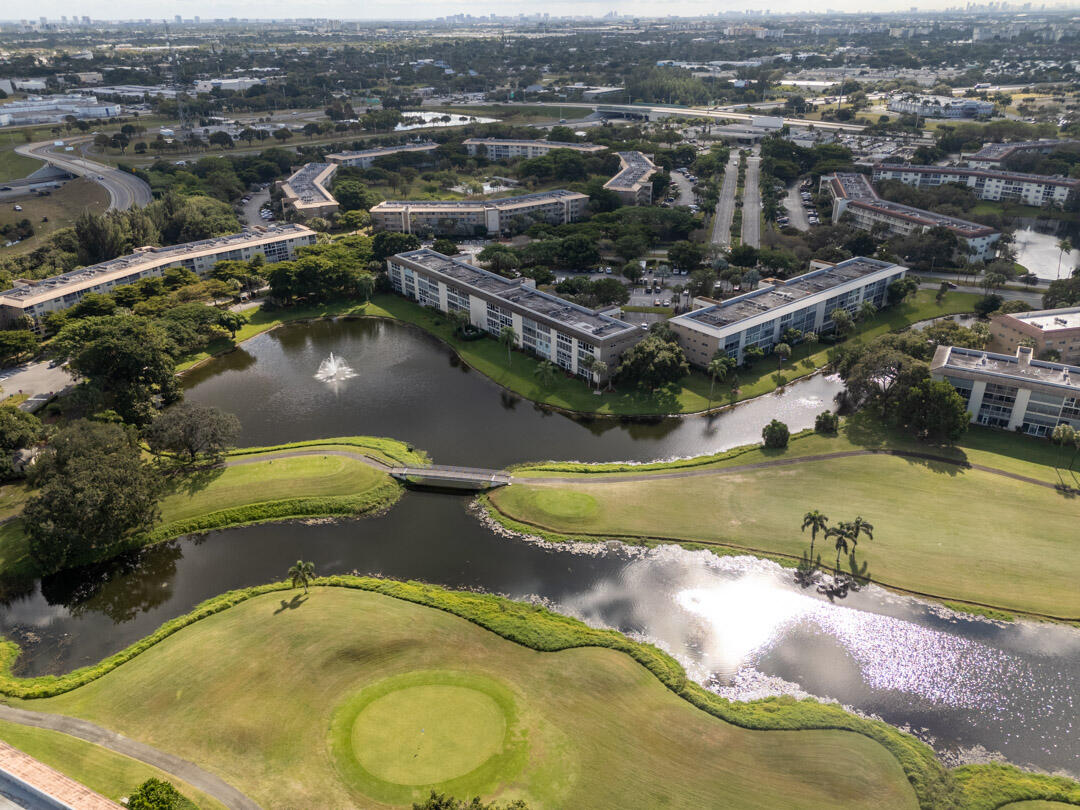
{"x": 1046, "y": 330}
{"x": 853, "y": 193}
{"x": 806, "y": 303}
{"x": 479, "y": 217}
{"x": 510, "y": 149}
{"x": 632, "y": 182}
{"x": 926, "y": 106}
{"x": 365, "y": 158}
{"x": 1016, "y": 392}
{"x": 992, "y": 154}
{"x": 305, "y": 191}
{"x": 37, "y": 298}
{"x": 570, "y": 336}
{"x": 988, "y": 184}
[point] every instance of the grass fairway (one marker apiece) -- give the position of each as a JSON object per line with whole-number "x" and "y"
{"x": 940, "y": 529}
{"x": 589, "y": 727}
{"x": 110, "y": 774}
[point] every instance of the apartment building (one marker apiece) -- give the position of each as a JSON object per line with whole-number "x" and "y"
{"x": 1011, "y": 391}
{"x": 365, "y": 158}
{"x": 1056, "y": 330}
{"x": 37, "y": 298}
{"x": 305, "y": 192}
{"x": 632, "y": 182}
{"x": 759, "y": 318}
{"x": 480, "y": 217}
{"x": 926, "y": 106}
{"x": 988, "y": 184}
{"x": 852, "y": 193}
{"x": 545, "y": 325}
{"x": 992, "y": 154}
{"x": 509, "y": 149}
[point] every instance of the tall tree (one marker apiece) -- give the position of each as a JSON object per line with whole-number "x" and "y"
{"x": 193, "y": 430}
{"x": 508, "y": 337}
{"x": 816, "y": 522}
{"x": 301, "y": 574}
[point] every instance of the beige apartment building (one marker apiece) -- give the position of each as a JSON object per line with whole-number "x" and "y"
{"x": 305, "y": 192}
{"x": 632, "y": 182}
{"x": 479, "y": 217}
{"x": 988, "y": 184}
{"x": 1056, "y": 330}
{"x": 365, "y": 158}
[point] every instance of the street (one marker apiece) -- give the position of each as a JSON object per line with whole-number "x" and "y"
{"x": 725, "y": 206}
{"x": 751, "y": 210}
{"x": 125, "y": 190}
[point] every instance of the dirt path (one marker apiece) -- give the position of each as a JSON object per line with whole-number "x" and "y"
{"x": 174, "y": 766}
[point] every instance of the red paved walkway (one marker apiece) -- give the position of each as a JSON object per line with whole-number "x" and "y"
{"x": 50, "y": 782}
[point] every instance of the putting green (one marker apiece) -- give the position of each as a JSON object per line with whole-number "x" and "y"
{"x": 399, "y": 738}
{"x": 422, "y": 735}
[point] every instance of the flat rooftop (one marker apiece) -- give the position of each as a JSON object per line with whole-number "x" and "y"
{"x": 1015, "y": 367}
{"x": 997, "y": 151}
{"x": 385, "y": 150}
{"x": 580, "y": 147}
{"x": 1020, "y": 177}
{"x": 499, "y": 202}
{"x": 306, "y": 186}
{"x": 774, "y": 296}
{"x": 636, "y": 169}
{"x": 1051, "y": 319}
{"x": 559, "y": 310}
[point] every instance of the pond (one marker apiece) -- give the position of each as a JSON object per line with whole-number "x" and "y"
{"x": 1039, "y": 253}
{"x": 426, "y": 119}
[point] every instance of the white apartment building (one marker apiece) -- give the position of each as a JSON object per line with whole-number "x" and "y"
{"x": 305, "y": 190}
{"x": 992, "y": 154}
{"x": 760, "y": 318}
{"x": 366, "y": 157}
{"x": 479, "y": 217}
{"x": 632, "y": 182}
{"x": 988, "y": 184}
{"x": 852, "y": 193}
{"x": 509, "y": 149}
{"x": 36, "y": 299}
{"x": 235, "y": 83}
{"x": 548, "y": 326}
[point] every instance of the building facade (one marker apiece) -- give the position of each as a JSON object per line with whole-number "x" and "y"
{"x": 568, "y": 335}
{"x": 35, "y": 299}
{"x": 1015, "y": 392}
{"x": 992, "y": 154}
{"x": 479, "y": 217}
{"x": 926, "y": 106}
{"x": 54, "y": 109}
{"x": 760, "y": 318}
{"x": 305, "y": 192}
{"x": 988, "y": 184}
{"x": 365, "y": 158}
{"x": 852, "y": 193}
{"x": 510, "y": 149}
{"x": 1047, "y": 330}
{"x": 632, "y": 182}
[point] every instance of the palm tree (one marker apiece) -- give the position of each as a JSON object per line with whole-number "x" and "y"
{"x": 301, "y": 574}
{"x": 860, "y": 526}
{"x": 508, "y": 337}
{"x": 599, "y": 369}
{"x": 545, "y": 373}
{"x": 782, "y": 352}
{"x": 718, "y": 369}
{"x": 1064, "y": 246}
{"x": 810, "y": 339}
{"x": 1065, "y": 434}
{"x": 815, "y": 522}
{"x": 842, "y": 534}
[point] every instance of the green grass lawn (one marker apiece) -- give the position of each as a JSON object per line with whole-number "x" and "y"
{"x": 62, "y": 207}
{"x": 956, "y": 533}
{"x": 113, "y": 775}
{"x": 589, "y": 727}
{"x": 14, "y": 166}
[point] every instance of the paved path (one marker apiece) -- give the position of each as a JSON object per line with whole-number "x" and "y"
{"x": 794, "y": 207}
{"x": 125, "y": 189}
{"x": 64, "y": 790}
{"x": 751, "y": 209}
{"x": 725, "y": 206}
{"x": 174, "y": 766}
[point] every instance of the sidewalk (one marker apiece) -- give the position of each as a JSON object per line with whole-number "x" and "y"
{"x": 40, "y": 777}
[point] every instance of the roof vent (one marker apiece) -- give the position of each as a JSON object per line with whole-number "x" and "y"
{"x": 983, "y": 359}
{"x": 1023, "y": 355}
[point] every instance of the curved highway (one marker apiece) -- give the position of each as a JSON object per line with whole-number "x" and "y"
{"x": 125, "y": 190}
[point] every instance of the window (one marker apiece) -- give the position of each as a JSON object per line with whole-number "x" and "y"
{"x": 498, "y": 318}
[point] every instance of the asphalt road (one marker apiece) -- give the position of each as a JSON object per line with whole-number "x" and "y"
{"x": 125, "y": 190}
{"x": 794, "y": 207}
{"x": 34, "y": 378}
{"x": 751, "y": 210}
{"x": 725, "y": 206}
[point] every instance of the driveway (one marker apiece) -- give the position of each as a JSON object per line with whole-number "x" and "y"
{"x": 794, "y": 207}
{"x": 751, "y": 209}
{"x": 252, "y": 206}
{"x": 725, "y": 206}
{"x": 34, "y": 379}
{"x": 686, "y": 194}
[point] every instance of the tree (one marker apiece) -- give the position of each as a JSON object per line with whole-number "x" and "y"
{"x": 221, "y": 138}
{"x": 782, "y": 352}
{"x": 283, "y": 134}
{"x": 867, "y": 310}
{"x": 632, "y": 272}
{"x": 631, "y": 246}
{"x": 352, "y": 195}
{"x": 686, "y": 255}
{"x": 447, "y": 247}
{"x": 14, "y": 343}
{"x": 843, "y": 323}
{"x": 775, "y": 435}
{"x": 826, "y": 422}
{"x": 439, "y": 801}
{"x": 653, "y": 362}
{"x": 301, "y": 574}
{"x": 900, "y": 290}
{"x": 1064, "y": 246}
{"x": 508, "y": 337}
{"x": 811, "y": 340}
{"x": 1065, "y": 435}
{"x": 194, "y": 430}
{"x": 935, "y": 411}
{"x": 842, "y": 535}
{"x": 390, "y": 243}
{"x": 987, "y": 304}
{"x": 18, "y": 430}
{"x": 95, "y": 489}
{"x": 599, "y": 370}
{"x": 232, "y": 321}
{"x": 816, "y": 522}
{"x": 156, "y": 794}
{"x": 546, "y": 373}
{"x": 743, "y": 255}
{"x": 718, "y": 369}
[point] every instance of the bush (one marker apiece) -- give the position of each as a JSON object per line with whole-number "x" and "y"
{"x": 775, "y": 434}
{"x": 826, "y": 422}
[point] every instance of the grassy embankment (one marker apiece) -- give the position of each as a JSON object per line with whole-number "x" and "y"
{"x": 62, "y": 207}
{"x": 259, "y": 490}
{"x": 633, "y": 731}
{"x": 691, "y": 396}
{"x": 945, "y": 530}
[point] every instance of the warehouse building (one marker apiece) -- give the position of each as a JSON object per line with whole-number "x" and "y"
{"x": 632, "y": 182}
{"x": 305, "y": 192}
{"x": 37, "y": 298}
{"x": 926, "y": 106}
{"x": 988, "y": 184}
{"x": 480, "y": 217}
{"x": 54, "y": 109}
{"x": 1047, "y": 330}
{"x": 805, "y": 303}
{"x": 509, "y": 149}
{"x": 365, "y": 158}
{"x": 1015, "y": 392}
{"x": 568, "y": 335}
{"x": 852, "y": 193}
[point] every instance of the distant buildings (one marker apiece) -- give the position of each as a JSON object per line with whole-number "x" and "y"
{"x": 1030, "y": 189}
{"x": 760, "y": 318}
{"x": 366, "y": 157}
{"x": 852, "y": 193}
{"x": 926, "y": 106}
{"x": 570, "y": 336}
{"x": 507, "y": 149}
{"x": 1016, "y": 392}
{"x": 305, "y": 192}
{"x": 54, "y": 109}
{"x": 1047, "y": 330}
{"x": 993, "y": 153}
{"x": 632, "y": 182}
{"x": 479, "y": 217}
{"x": 234, "y": 83}
{"x": 35, "y": 299}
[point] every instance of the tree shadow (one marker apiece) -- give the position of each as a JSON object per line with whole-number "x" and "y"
{"x": 291, "y": 604}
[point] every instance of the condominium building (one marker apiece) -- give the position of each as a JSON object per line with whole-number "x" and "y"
{"x": 992, "y": 154}
{"x": 305, "y": 191}
{"x": 806, "y": 303}
{"x": 39, "y": 297}
{"x": 632, "y": 182}
{"x": 509, "y": 149}
{"x": 853, "y": 193}
{"x": 568, "y": 335}
{"x": 366, "y": 157}
{"x": 480, "y": 217}
{"x": 926, "y": 106}
{"x": 1016, "y": 392}
{"x": 1047, "y": 330}
{"x": 988, "y": 184}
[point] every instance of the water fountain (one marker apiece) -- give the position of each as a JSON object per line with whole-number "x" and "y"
{"x": 333, "y": 369}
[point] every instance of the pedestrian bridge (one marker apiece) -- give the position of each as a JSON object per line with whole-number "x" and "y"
{"x": 447, "y": 477}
